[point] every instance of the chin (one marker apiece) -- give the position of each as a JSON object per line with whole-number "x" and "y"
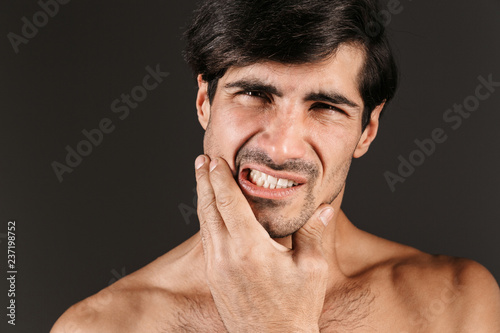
{"x": 279, "y": 226}
{"x": 278, "y": 231}
{"x": 277, "y": 217}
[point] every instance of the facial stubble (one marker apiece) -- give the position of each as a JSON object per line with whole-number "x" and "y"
{"x": 267, "y": 211}
{"x": 270, "y": 212}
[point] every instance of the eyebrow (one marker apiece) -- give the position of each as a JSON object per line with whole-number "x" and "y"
{"x": 322, "y": 96}
{"x": 249, "y": 84}
{"x": 333, "y": 98}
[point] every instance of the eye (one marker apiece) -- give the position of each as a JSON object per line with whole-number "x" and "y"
{"x": 255, "y": 93}
{"x": 327, "y": 107}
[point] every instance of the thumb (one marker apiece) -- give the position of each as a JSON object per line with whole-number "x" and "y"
{"x": 311, "y": 234}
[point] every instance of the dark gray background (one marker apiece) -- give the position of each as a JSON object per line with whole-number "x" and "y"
{"x": 119, "y": 209}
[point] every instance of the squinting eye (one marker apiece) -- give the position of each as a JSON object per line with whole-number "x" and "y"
{"x": 254, "y": 93}
{"x": 326, "y": 107}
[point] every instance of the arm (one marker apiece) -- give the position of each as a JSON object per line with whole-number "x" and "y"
{"x": 98, "y": 313}
{"x": 76, "y": 319}
{"x": 479, "y": 308}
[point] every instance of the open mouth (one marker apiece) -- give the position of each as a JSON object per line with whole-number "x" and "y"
{"x": 268, "y": 184}
{"x": 264, "y": 180}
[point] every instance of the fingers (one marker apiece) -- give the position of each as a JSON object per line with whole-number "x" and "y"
{"x": 309, "y": 237}
{"x": 232, "y": 204}
{"x": 307, "y": 243}
{"x": 212, "y": 226}
{"x": 307, "y": 247}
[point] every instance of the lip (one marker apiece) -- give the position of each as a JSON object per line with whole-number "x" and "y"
{"x": 253, "y": 190}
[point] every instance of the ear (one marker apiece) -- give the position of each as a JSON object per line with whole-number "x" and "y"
{"x": 203, "y": 103}
{"x": 369, "y": 133}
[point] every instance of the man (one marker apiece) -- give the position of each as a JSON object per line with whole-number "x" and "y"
{"x": 289, "y": 92}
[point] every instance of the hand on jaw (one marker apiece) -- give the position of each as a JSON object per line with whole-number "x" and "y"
{"x": 257, "y": 284}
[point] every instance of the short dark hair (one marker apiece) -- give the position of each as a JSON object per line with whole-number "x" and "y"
{"x": 226, "y": 33}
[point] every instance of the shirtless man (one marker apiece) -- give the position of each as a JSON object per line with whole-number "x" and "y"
{"x": 289, "y": 92}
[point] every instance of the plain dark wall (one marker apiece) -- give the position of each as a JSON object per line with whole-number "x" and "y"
{"x": 119, "y": 209}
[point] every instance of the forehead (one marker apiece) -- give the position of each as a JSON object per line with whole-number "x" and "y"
{"x": 339, "y": 72}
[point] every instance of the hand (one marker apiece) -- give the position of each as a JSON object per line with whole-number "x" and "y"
{"x": 257, "y": 284}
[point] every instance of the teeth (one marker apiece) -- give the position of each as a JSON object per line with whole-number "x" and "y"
{"x": 283, "y": 182}
{"x": 263, "y": 180}
{"x": 260, "y": 181}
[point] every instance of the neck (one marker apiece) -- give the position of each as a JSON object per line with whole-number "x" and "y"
{"x": 339, "y": 243}
{"x": 338, "y": 223}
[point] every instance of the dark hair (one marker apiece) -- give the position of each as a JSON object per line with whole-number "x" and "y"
{"x": 227, "y": 33}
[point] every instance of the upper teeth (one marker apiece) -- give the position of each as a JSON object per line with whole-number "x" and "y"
{"x": 267, "y": 181}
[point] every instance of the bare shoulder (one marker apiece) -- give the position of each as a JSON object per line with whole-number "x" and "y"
{"x": 478, "y": 306}
{"x": 164, "y": 296}
{"x": 122, "y": 307}
{"x": 132, "y": 306}
{"x": 456, "y": 294}
{"x": 464, "y": 276}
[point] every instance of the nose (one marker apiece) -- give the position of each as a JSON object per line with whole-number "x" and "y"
{"x": 283, "y": 137}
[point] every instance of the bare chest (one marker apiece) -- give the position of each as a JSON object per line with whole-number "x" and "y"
{"x": 349, "y": 310}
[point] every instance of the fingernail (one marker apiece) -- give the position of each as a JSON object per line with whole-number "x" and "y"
{"x": 213, "y": 164}
{"x": 198, "y": 163}
{"x": 326, "y": 215}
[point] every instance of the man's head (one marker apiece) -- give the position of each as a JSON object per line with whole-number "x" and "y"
{"x": 291, "y": 89}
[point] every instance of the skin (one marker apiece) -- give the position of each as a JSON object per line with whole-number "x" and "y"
{"x": 322, "y": 274}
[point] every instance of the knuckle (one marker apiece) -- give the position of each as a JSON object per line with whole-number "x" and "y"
{"x": 226, "y": 201}
{"x": 201, "y": 174}
{"x": 206, "y": 205}
{"x": 203, "y": 192}
{"x": 312, "y": 231}
{"x": 248, "y": 254}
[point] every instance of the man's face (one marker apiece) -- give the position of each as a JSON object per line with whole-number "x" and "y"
{"x": 289, "y": 133}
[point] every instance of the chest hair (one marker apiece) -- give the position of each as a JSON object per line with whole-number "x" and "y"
{"x": 345, "y": 310}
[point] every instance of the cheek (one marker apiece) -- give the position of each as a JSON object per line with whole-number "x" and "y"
{"x": 336, "y": 146}
{"x": 227, "y": 132}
